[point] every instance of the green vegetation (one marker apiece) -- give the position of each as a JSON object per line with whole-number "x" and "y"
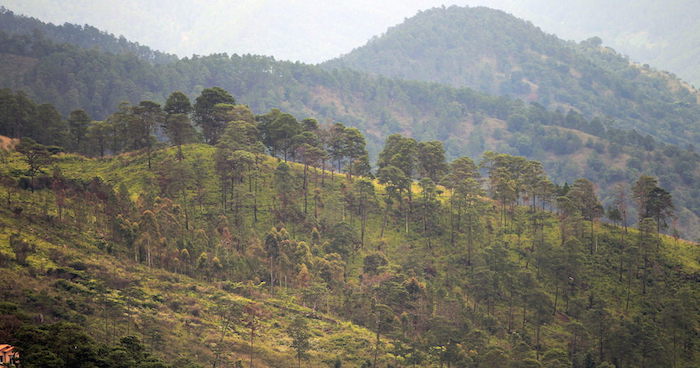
{"x": 604, "y": 149}
{"x": 192, "y": 228}
{"x": 661, "y": 34}
{"x": 76, "y": 259}
{"x": 224, "y": 256}
{"x": 84, "y": 36}
{"x": 493, "y": 52}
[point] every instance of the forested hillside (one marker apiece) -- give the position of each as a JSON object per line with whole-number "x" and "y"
{"x": 496, "y": 53}
{"x": 84, "y": 36}
{"x": 468, "y": 122}
{"x": 663, "y": 34}
{"x": 79, "y": 268}
{"x": 238, "y": 211}
{"x": 171, "y": 252}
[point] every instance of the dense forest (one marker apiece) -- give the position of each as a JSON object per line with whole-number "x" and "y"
{"x": 665, "y": 35}
{"x": 274, "y": 241}
{"x": 468, "y": 122}
{"x": 496, "y": 53}
{"x": 84, "y": 36}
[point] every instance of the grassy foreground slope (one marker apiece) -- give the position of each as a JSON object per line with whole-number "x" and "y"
{"x": 73, "y": 272}
{"x": 518, "y": 296}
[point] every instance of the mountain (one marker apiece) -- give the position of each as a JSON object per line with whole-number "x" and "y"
{"x": 129, "y": 242}
{"x": 83, "y": 36}
{"x": 496, "y": 53}
{"x": 569, "y": 145}
{"x": 665, "y": 35}
{"x": 467, "y": 121}
{"x": 299, "y": 30}
{"x": 662, "y": 34}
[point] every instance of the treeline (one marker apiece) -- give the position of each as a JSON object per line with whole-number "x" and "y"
{"x": 531, "y": 138}
{"x": 264, "y": 83}
{"x": 147, "y": 124}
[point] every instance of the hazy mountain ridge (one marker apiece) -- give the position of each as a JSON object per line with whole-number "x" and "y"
{"x": 662, "y": 34}
{"x": 84, "y": 36}
{"x": 71, "y": 77}
{"x": 665, "y": 34}
{"x": 494, "y": 52}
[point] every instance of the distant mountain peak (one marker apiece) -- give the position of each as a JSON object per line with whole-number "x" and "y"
{"x": 494, "y": 52}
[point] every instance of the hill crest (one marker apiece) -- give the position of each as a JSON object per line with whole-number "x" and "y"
{"x": 496, "y": 53}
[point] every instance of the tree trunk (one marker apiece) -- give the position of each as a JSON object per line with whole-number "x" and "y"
{"x": 148, "y": 253}
{"x": 556, "y": 297}
{"x": 622, "y": 253}
{"x": 363, "y": 226}
{"x": 470, "y": 240}
{"x": 538, "y": 348}
{"x": 644, "y": 275}
{"x": 629, "y": 287}
{"x": 376, "y": 348}
{"x": 386, "y": 214}
{"x": 510, "y": 312}
{"x": 184, "y": 207}
{"x": 255, "y": 192}
{"x": 594, "y": 244}
{"x": 306, "y": 166}
{"x": 315, "y": 207}
{"x": 452, "y": 220}
{"x": 271, "y": 277}
{"x": 180, "y": 156}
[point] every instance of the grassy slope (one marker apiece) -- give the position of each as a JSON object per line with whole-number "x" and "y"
{"x": 174, "y": 314}
{"x": 70, "y": 276}
{"x": 73, "y": 276}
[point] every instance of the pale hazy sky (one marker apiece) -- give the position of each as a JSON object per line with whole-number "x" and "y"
{"x": 304, "y": 30}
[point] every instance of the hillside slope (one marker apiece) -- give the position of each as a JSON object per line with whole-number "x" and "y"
{"x": 67, "y": 265}
{"x": 494, "y": 52}
{"x": 84, "y": 249}
{"x": 83, "y": 36}
{"x": 468, "y": 122}
{"x": 665, "y": 35}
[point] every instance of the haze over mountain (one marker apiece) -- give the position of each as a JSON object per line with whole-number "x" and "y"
{"x": 496, "y": 53}
{"x": 662, "y": 34}
{"x": 466, "y": 121}
{"x": 308, "y": 31}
